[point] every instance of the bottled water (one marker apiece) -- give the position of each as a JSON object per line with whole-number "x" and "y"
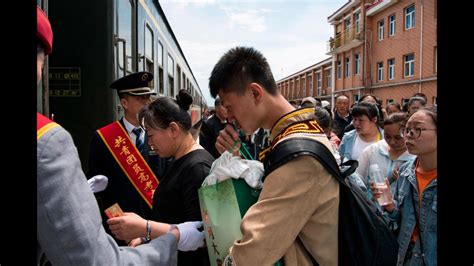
{"x": 379, "y": 183}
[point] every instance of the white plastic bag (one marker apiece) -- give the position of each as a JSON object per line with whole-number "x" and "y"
{"x": 229, "y": 166}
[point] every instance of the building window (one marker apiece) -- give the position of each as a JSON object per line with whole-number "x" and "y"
{"x": 357, "y": 22}
{"x": 329, "y": 78}
{"x": 338, "y": 31}
{"x": 380, "y": 71}
{"x": 303, "y": 81}
{"x": 318, "y": 83}
{"x": 380, "y": 27}
{"x": 391, "y": 26}
{"x": 171, "y": 75}
{"x": 310, "y": 80}
{"x": 297, "y": 87}
{"x": 339, "y": 69}
{"x": 348, "y": 66}
{"x": 409, "y": 65}
{"x": 347, "y": 31}
{"x": 160, "y": 68}
{"x": 410, "y": 17}
{"x": 391, "y": 68}
{"x": 347, "y": 23}
{"x": 357, "y": 64}
{"x": 292, "y": 89}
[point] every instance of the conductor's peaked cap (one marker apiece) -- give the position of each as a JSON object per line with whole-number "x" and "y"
{"x": 134, "y": 84}
{"x": 44, "y": 33}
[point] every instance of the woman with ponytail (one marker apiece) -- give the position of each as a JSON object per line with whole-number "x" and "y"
{"x": 168, "y": 125}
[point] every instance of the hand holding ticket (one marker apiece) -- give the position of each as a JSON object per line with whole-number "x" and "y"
{"x": 114, "y": 211}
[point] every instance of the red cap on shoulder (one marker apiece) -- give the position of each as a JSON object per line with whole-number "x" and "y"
{"x": 44, "y": 32}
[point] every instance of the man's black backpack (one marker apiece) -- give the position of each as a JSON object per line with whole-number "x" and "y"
{"x": 364, "y": 235}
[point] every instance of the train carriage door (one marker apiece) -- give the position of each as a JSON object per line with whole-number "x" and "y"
{"x": 124, "y": 41}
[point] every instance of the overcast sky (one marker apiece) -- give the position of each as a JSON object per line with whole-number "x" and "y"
{"x": 292, "y": 35}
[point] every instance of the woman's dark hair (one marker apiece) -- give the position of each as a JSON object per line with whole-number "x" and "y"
{"x": 422, "y": 95}
{"x": 323, "y": 118}
{"x": 431, "y": 111}
{"x": 396, "y": 118}
{"x": 416, "y": 99}
{"x": 396, "y": 104}
{"x": 405, "y": 107}
{"x": 377, "y": 100}
{"x": 368, "y": 109}
{"x": 341, "y": 95}
{"x": 379, "y": 105}
{"x": 164, "y": 110}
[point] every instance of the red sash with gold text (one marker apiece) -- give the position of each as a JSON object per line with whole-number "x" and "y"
{"x": 130, "y": 160}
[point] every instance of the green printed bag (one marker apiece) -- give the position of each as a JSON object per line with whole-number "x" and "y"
{"x": 222, "y": 207}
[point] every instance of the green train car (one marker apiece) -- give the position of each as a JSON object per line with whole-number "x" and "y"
{"x": 97, "y": 42}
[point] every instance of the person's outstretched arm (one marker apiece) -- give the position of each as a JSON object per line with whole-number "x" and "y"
{"x": 69, "y": 226}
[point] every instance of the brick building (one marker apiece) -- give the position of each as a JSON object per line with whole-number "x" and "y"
{"x": 384, "y": 47}
{"x": 315, "y": 80}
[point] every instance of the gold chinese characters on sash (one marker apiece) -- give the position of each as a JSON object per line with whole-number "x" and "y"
{"x": 130, "y": 160}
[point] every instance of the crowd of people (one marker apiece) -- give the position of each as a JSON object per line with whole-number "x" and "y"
{"x": 155, "y": 164}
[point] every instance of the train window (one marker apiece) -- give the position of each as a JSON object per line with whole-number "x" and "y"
{"x": 124, "y": 32}
{"x": 149, "y": 51}
{"x": 160, "y": 76}
{"x": 179, "y": 76}
{"x": 160, "y": 68}
{"x": 184, "y": 81}
{"x": 170, "y": 66}
{"x": 171, "y": 75}
{"x": 160, "y": 54}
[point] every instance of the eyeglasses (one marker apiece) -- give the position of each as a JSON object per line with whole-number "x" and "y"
{"x": 413, "y": 132}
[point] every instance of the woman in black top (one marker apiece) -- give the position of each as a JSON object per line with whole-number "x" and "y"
{"x": 175, "y": 200}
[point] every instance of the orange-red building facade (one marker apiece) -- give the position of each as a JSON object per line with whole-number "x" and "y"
{"x": 385, "y": 47}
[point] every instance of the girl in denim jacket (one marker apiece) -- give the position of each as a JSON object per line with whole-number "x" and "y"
{"x": 414, "y": 206}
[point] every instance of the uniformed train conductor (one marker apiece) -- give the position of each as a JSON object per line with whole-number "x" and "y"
{"x": 126, "y": 188}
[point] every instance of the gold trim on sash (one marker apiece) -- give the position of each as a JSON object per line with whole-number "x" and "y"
{"x": 130, "y": 160}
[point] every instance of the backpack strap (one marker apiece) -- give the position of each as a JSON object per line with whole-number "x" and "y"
{"x": 292, "y": 148}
